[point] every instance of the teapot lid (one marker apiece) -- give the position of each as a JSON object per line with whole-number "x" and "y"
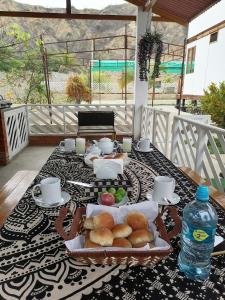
{"x": 105, "y": 139}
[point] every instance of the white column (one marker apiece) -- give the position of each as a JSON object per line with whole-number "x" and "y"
{"x": 140, "y": 87}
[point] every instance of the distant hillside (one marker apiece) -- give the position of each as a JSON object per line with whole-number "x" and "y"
{"x": 59, "y": 30}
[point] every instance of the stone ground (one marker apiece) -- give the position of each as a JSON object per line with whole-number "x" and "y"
{"x": 31, "y": 158}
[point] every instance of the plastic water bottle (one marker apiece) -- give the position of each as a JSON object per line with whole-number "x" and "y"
{"x": 197, "y": 238}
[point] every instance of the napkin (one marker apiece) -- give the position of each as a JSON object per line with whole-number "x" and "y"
{"x": 108, "y": 168}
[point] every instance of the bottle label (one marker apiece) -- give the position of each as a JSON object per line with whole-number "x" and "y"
{"x": 199, "y": 235}
{"x": 203, "y": 235}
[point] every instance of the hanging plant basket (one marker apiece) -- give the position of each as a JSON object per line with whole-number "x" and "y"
{"x": 150, "y": 46}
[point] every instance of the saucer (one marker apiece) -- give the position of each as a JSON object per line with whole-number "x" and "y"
{"x": 65, "y": 198}
{"x": 175, "y": 199}
{"x": 123, "y": 202}
{"x": 144, "y": 151}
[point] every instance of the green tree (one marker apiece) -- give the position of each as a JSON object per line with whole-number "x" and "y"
{"x": 24, "y": 73}
{"x": 122, "y": 79}
{"x": 100, "y": 77}
{"x": 64, "y": 63}
{"x": 213, "y": 103}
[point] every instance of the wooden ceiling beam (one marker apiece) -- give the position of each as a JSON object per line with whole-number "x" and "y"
{"x": 161, "y": 19}
{"x": 147, "y": 5}
{"x": 169, "y": 16}
{"x": 17, "y": 14}
{"x": 137, "y": 2}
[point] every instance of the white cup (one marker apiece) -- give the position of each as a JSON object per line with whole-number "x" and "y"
{"x": 143, "y": 144}
{"x": 67, "y": 145}
{"x": 50, "y": 190}
{"x": 164, "y": 187}
{"x": 127, "y": 143}
{"x": 80, "y": 145}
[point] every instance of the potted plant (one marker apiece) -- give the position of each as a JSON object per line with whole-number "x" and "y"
{"x": 149, "y": 45}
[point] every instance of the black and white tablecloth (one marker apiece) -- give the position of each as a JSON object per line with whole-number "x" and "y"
{"x": 34, "y": 265}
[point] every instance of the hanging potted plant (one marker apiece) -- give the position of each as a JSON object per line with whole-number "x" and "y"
{"x": 149, "y": 45}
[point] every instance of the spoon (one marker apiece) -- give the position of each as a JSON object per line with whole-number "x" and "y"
{"x": 167, "y": 200}
{"x": 80, "y": 183}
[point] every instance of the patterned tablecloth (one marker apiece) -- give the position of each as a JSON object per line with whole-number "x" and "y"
{"x": 34, "y": 265}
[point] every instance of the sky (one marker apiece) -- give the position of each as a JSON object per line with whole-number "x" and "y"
{"x": 79, "y": 4}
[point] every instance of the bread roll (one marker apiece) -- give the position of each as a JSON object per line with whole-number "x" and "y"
{"x": 88, "y": 223}
{"x": 121, "y": 242}
{"x": 89, "y": 244}
{"x": 136, "y": 220}
{"x": 121, "y": 231}
{"x": 140, "y": 236}
{"x": 102, "y": 236}
{"x": 103, "y": 220}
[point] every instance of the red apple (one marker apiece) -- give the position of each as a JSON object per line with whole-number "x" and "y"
{"x": 108, "y": 199}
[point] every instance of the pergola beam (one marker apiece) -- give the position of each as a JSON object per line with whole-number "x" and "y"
{"x": 76, "y": 16}
{"x": 68, "y": 7}
{"x": 24, "y": 14}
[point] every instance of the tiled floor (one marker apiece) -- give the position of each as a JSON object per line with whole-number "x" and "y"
{"x": 31, "y": 158}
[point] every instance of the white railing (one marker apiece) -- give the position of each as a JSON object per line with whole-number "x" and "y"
{"x": 62, "y": 119}
{"x": 200, "y": 147}
{"x": 188, "y": 141}
{"x": 156, "y": 125}
{"x": 16, "y": 128}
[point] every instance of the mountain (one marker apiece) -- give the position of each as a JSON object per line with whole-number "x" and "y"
{"x": 54, "y": 30}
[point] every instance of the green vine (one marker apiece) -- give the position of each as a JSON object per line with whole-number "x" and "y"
{"x": 149, "y": 45}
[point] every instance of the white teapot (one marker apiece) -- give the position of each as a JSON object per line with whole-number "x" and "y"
{"x": 106, "y": 145}
{"x": 94, "y": 149}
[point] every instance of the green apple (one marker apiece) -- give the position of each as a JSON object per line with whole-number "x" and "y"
{"x": 112, "y": 190}
{"x": 118, "y": 197}
{"x": 122, "y": 191}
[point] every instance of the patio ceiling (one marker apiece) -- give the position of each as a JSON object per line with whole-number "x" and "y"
{"x": 180, "y": 11}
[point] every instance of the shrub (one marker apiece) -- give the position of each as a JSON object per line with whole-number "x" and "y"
{"x": 76, "y": 90}
{"x": 213, "y": 103}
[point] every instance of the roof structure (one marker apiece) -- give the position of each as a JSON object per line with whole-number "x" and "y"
{"x": 180, "y": 11}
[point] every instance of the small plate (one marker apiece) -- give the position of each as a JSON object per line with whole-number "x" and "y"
{"x": 144, "y": 151}
{"x": 65, "y": 198}
{"x": 123, "y": 202}
{"x": 175, "y": 199}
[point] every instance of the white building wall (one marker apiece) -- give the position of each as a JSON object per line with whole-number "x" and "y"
{"x": 209, "y": 18}
{"x": 215, "y": 71}
{"x": 210, "y": 57}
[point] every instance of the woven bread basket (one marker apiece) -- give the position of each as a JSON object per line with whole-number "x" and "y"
{"x": 143, "y": 258}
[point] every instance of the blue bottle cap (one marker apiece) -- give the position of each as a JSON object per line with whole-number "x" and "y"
{"x": 202, "y": 193}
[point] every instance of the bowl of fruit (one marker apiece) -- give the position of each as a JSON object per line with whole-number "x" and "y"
{"x": 113, "y": 197}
